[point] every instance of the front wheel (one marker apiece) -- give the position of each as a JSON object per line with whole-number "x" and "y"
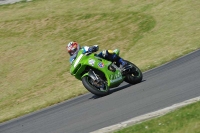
{"x": 135, "y": 76}
{"x": 97, "y": 88}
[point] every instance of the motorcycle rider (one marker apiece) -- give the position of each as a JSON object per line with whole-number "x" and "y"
{"x": 73, "y": 48}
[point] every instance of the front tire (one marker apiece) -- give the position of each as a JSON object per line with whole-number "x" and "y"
{"x": 88, "y": 84}
{"x": 135, "y": 76}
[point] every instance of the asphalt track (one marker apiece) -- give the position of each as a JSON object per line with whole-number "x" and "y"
{"x": 2, "y": 2}
{"x": 164, "y": 86}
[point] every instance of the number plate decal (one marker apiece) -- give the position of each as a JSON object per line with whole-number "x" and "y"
{"x": 115, "y": 77}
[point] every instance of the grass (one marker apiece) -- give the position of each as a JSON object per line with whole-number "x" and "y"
{"x": 34, "y": 66}
{"x": 184, "y": 120}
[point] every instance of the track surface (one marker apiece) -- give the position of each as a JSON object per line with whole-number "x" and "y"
{"x": 2, "y": 2}
{"x": 164, "y": 86}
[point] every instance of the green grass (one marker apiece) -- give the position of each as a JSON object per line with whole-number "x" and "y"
{"x": 34, "y": 66}
{"x": 184, "y": 120}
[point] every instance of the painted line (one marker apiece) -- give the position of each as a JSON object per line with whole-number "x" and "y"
{"x": 147, "y": 116}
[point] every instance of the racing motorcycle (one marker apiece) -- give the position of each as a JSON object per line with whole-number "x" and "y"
{"x": 99, "y": 75}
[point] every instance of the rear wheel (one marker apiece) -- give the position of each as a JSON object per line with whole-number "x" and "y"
{"x": 99, "y": 88}
{"x": 135, "y": 76}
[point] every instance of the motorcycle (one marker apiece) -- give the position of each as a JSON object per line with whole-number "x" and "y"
{"x": 99, "y": 75}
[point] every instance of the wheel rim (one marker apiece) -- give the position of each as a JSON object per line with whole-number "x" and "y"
{"x": 103, "y": 87}
{"x": 136, "y": 73}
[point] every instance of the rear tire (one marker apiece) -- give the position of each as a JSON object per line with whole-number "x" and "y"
{"x": 86, "y": 80}
{"x": 135, "y": 76}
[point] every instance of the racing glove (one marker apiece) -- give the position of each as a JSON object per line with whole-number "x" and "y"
{"x": 93, "y": 49}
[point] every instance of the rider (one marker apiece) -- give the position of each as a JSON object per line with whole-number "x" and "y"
{"x": 74, "y": 47}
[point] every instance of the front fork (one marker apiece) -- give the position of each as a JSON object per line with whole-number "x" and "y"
{"x": 97, "y": 81}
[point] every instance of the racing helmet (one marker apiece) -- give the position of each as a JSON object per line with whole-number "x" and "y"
{"x": 73, "y": 48}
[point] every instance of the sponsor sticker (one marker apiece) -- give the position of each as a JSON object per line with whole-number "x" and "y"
{"x": 101, "y": 65}
{"x": 91, "y": 62}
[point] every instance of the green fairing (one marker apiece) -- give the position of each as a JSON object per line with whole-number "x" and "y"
{"x": 84, "y": 62}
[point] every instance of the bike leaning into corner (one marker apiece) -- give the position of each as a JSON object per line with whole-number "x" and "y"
{"x": 98, "y": 75}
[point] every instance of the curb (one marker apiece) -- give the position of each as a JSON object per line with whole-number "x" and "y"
{"x": 147, "y": 116}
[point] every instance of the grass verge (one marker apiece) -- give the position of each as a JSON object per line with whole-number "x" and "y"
{"x": 184, "y": 120}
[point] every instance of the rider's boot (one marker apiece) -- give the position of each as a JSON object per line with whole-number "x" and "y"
{"x": 125, "y": 67}
{"x": 123, "y": 63}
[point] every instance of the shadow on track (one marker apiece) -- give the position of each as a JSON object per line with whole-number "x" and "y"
{"x": 115, "y": 90}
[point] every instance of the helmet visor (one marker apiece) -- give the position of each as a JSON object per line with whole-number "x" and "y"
{"x": 72, "y": 51}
